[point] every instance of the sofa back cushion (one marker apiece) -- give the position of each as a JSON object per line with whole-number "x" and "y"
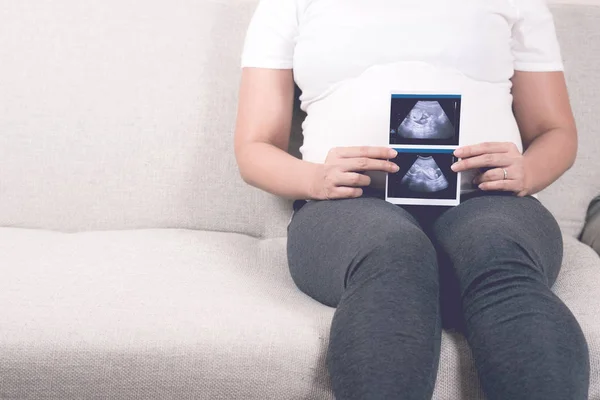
{"x": 119, "y": 114}
{"x": 579, "y": 35}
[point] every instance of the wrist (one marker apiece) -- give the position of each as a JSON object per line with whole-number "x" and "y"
{"x": 314, "y": 175}
{"x": 528, "y": 184}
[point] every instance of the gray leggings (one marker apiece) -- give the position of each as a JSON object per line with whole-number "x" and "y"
{"x": 397, "y": 275}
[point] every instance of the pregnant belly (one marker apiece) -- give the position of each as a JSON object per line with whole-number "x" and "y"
{"x": 356, "y": 112}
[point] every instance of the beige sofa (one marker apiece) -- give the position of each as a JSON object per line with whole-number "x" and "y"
{"x": 135, "y": 263}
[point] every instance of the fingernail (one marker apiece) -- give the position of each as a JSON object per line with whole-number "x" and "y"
{"x": 396, "y": 168}
{"x": 457, "y": 152}
{"x": 393, "y": 153}
{"x": 454, "y": 166}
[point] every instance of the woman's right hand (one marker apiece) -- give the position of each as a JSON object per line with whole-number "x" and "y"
{"x": 340, "y": 175}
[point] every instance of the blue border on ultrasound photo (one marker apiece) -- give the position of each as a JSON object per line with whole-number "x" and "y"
{"x": 426, "y": 96}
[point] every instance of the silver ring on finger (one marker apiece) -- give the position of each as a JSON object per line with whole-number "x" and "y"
{"x": 505, "y": 174}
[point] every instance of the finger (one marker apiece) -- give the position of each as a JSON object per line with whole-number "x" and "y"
{"x": 482, "y": 148}
{"x": 367, "y": 164}
{"x": 365, "y": 152}
{"x": 344, "y": 192}
{"x": 353, "y": 179}
{"x": 494, "y": 174}
{"x": 507, "y": 185}
{"x": 484, "y": 160}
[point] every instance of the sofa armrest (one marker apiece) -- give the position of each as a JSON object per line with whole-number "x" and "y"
{"x": 590, "y": 234}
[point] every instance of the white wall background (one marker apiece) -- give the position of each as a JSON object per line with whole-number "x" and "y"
{"x": 593, "y": 2}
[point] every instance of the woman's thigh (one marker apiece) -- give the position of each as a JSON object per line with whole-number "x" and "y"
{"x": 329, "y": 240}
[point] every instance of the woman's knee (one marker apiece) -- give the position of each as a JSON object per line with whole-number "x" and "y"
{"x": 328, "y": 241}
{"x": 399, "y": 243}
{"x": 397, "y": 235}
{"x": 501, "y": 231}
{"x": 331, "y": 243}
{"x": 494, "y": 215}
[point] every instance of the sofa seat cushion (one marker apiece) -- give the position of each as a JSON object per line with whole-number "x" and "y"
{"x": 155, "y": 314}
{"x": 578, "y": 285}
{"x": 182, "y": 314}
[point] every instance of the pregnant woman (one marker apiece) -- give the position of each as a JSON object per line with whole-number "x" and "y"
{"x": 385, "y": 268}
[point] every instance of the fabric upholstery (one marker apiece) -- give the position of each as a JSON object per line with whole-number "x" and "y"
{"x": 155, "y": 314}
{"x": 118, "y": 118}
{"x": 115, "y": 116}
{"x": 577, "y": 285}
{"x": 118, "y": 115}
{"x": 182, "y": 314}
{"x": 578, "y": 33}
{"x": 591, "y": 230}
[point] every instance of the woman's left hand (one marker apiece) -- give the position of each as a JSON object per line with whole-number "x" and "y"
{"x": 504, "y": 164}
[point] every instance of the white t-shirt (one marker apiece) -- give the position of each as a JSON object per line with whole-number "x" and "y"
{"x": 349, "y": 55}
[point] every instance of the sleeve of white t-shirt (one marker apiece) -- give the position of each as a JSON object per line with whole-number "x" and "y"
{"x": 534, "y": 43}
{"x": 271, "y": 35}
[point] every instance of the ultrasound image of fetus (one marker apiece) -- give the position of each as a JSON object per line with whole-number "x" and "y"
{"x": 426, "y": 120}
{"x": 424, "y": 176}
